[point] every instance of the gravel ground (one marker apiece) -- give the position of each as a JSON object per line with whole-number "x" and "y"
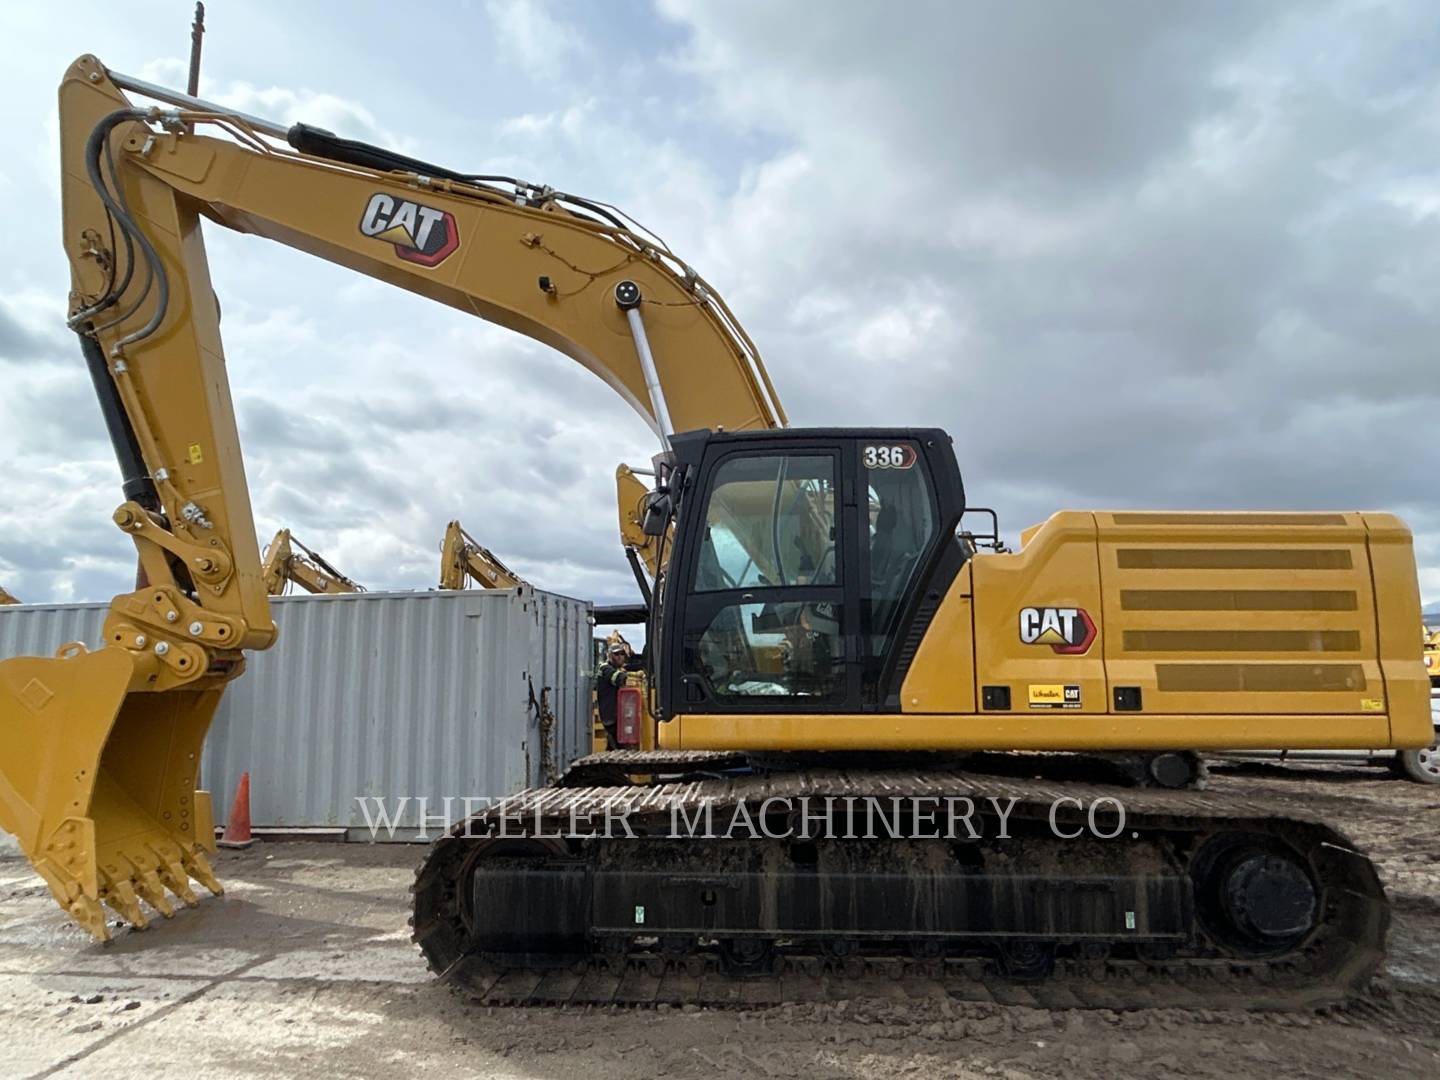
{"x": 305, "y": 966}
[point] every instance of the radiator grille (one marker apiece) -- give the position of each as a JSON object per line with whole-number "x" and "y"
{"x": 1238, "y": 600}
{"x": 1259, "y": 678}
{"x": 1141, "y": 518}
{"x": 1234, "y": 559}
{"x": 1242, "y": 641}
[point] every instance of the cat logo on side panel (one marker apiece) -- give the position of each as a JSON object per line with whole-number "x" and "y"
{"x": 1069, "y": 631}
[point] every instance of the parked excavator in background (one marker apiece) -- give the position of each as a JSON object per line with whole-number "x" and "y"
{"x": 464, "y": 559}
{"x": 1432, "y": 656}
{"x": 824, "y": 625}
{"x": 7, "y": 598}
{"x": 289, "y": 562}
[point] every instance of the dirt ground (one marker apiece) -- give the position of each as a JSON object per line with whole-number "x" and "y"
{"x": 305, "y": 966}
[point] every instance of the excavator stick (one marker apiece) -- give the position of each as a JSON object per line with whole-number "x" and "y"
{"x": 98, "y": 785}
{"x": 99, "y": 751}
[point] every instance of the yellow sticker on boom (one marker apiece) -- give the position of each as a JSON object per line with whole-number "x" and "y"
{"x": 193, "y": 454}
{"x": 1372, "y": 704}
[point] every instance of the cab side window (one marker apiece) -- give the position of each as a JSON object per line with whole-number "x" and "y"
{"x": 902, "y": 529}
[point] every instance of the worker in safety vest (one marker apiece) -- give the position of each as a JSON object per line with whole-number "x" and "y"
{"x": 608, "y": 681}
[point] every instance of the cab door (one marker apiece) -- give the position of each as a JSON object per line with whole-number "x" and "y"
{"x": 765, "y": 626}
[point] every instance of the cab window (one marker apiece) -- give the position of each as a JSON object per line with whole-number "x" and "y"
{"x": 771, "y": 541}
{"x": 902, "y": 528}
{"x": 770, "y": 523}
{"x": 760, "y": 650}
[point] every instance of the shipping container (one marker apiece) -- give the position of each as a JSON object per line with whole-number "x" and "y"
{"x": 393, "y": 707}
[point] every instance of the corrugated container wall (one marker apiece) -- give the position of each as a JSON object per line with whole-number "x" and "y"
{"x": 382, "y": 696}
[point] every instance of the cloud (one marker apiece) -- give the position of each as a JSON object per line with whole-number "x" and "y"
{"x": 532, "y": 39}
{"x": 15, "y": 340}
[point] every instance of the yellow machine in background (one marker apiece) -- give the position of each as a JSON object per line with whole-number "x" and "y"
{"x": 810, "y": 597}
{"x": 463, "y": 559}
{"x": 284, "y": 565}
{"x": 7, "y": 598}
{"x": 1432, "y": 656}
{"x": 631, "y": 495}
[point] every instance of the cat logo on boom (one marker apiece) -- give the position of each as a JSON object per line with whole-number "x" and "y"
{"x": 421, "y": 234}
{"x": 1069, "y": 631}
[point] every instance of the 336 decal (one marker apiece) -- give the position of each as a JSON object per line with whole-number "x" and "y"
{"x": 900, "y": 456}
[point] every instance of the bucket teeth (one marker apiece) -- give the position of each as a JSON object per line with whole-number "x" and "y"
{"x": 121, "y": 896}
{"x": 178, "y": 882}
{"x": 200, "y": 870}
{"x": 98, "y": 781}
{"x": 147, "y": 884}
{"x": 89, "y": 916}
{"x": 123, "y": 893}
{"x": 150, "y": 874}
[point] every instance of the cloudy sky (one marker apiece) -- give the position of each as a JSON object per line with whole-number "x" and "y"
{"x": 1129, "y": 254}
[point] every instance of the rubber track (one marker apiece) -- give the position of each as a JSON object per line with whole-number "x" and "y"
{"x": 1336, "y": 963}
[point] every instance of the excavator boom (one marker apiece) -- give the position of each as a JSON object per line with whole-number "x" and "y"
{"x": 101, "y": 749}
{"x": 7, "y": 598}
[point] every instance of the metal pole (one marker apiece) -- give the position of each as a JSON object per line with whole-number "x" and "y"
{"x": 197, "y": 31}
{"x": 627, "y": 297}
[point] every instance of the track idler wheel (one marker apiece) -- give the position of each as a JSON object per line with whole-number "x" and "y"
{"x": 1270, "y": 899}
{"x": 1257, "y": 899}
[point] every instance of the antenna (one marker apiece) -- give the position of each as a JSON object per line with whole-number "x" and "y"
{"x": 197, "y": 32}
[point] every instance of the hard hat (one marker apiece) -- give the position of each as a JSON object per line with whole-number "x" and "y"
{"x": 615, "y": 646}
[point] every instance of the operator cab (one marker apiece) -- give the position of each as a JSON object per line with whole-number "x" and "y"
{"x": 806, "y": 566}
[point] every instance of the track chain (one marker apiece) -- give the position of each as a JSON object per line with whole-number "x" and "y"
{"x": 1334, "y": 965}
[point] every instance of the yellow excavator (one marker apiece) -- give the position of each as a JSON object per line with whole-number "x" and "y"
{"x": 7, "y": 598}
{"x": 830, "y": 626}
{"x": 289, "y": 562}
{"x": 1432, "y": 656}
{"x": 464, "y": 559}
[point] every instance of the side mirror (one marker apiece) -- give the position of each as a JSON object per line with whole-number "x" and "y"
{"x": 658, "y": 508}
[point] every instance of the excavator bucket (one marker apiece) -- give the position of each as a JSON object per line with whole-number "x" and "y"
{"x": 98, "y": 784}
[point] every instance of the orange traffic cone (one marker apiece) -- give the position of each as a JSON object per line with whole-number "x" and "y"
{"x": 237, "y": 825}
